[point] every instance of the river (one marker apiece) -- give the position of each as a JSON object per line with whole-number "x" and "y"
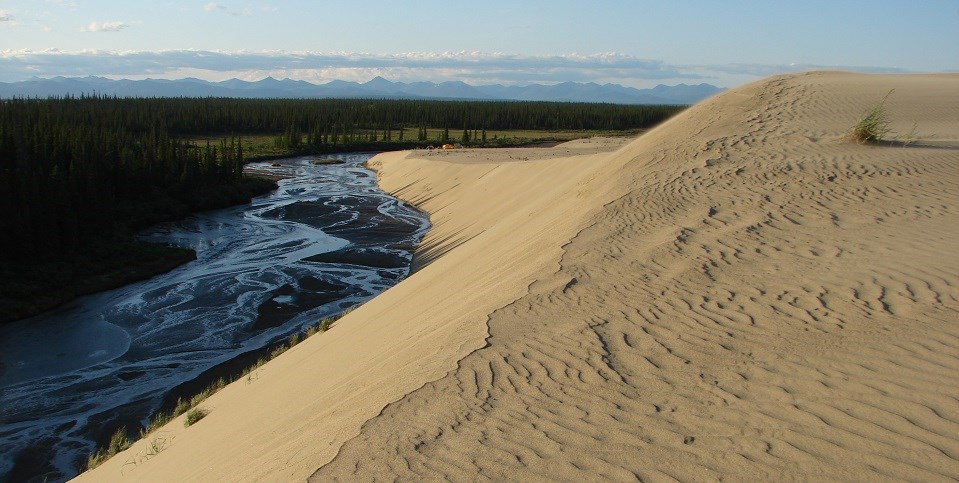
{"x": 326, "y": 240}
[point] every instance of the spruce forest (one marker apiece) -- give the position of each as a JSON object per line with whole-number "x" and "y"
{"x": 78, "y": 175}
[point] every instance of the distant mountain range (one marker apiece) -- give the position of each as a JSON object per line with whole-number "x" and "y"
{"x": 378, "y": 88}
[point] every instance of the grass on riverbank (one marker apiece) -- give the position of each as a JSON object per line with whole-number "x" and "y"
{"x": 118, "y": 442}
{"x": 193, "y": 416}
{"x": 120, "y": 439}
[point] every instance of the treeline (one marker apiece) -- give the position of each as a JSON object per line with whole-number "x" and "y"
{"x": 184, "y": 116}
{"x": 337, "y": 122}
{"x": 75, "y": 169}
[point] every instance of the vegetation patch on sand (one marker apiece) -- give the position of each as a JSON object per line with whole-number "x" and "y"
{"x": 194, "y": 415}
{"x": 118, "y": 442}
{"x": 873, "y": 127}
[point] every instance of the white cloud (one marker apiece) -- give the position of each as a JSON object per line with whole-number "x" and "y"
{"x": 6, "y": 16}
{"x": 216, "y": 7}
{"x": 69, "y": 5}
{"x": 318, "y": 67}
{"x": 104, "y": 27}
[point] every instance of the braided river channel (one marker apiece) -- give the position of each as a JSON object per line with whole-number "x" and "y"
{"x": 326, "y": 240}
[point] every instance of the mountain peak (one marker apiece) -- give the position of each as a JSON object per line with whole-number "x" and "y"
{"x": 378, "y": 82}
{"x": 375, "y": 87}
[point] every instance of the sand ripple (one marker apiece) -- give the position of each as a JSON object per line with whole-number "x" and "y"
{"x": 757, "y": 299}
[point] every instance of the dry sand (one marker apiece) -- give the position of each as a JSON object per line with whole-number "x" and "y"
{"x": 739, "y": 294}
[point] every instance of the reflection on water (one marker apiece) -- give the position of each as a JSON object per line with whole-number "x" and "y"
{"x": 326, "y": 240}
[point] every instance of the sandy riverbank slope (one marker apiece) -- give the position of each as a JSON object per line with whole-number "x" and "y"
{"x": 740, "y": 293}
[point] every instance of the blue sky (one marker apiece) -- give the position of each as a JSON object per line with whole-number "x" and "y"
{"x": 634, "y": 43}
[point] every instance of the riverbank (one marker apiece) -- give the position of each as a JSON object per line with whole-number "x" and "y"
{"x": 338, "y": 360}
{"x": 29, "y": 288}
{"x": 34, "y": 288}
{"x": 740, "y": 293}
{"x": 327, "y": 239}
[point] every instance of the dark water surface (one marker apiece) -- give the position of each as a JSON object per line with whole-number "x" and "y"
{"x": 326, "y": 240}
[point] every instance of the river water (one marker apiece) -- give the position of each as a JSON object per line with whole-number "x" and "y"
{"x": 326, "y": 240}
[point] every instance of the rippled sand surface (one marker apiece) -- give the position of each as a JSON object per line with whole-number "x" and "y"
{"x": 741, "y": 293}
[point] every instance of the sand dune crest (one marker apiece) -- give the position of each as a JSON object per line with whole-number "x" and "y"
{"x": 740, "y": 293}
{"x": 760, "y": 299}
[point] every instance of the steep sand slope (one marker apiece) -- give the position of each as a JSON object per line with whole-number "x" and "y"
{"x": 498, "y": 226}
{"x": 762, "y": 300}
{"x": 739, "y": 293}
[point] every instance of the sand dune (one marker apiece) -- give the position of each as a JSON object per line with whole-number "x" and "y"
{"x": 740, "y": 293}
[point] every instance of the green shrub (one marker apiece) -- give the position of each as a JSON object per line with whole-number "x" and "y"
{"x": 325, "y": 324}
{"x": 277, "y": 351}
{"x": 294, "y": 339}
{"x": 874, "y": 125}
{"x": 118, "y": 442}
{"x": 193, "y": 416}
{"x": 96, "y": 459}
{"x": 156, "y": 422}
{"x": 181, "y": 407}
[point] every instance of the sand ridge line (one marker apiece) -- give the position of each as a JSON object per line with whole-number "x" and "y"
{"x": 738, "y": 293}
{"x": 736, "y": 313}
{"x": 294, "y": 415}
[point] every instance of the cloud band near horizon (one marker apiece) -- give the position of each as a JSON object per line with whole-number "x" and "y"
{"x": 472, "y": 67}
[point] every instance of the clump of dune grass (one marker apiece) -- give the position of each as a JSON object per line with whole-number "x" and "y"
{"x": 118, "y": 442}
{"x": 156, "y": 446}
{"x": 97, "y": 458}
{"x": 278, "y": 350}
{"x": 874, "y": 125}
{"x": 325, "y": 324}
{"x": 193, "y": 416}
{"x": 910, "y": 137}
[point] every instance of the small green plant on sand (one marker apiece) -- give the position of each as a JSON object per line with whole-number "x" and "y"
{"x": 294, "y": 339}
{"x": 118, "y": 442}
{"x": 278, "y": 350}
{"x": 193, "y": 416}
{"x": 910, "y": 137}
{"x": 874, "y": 125}
{"x": 325, "y": 324}
{"x": 156, "y": 445}
{"x": 96, "y": 459}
